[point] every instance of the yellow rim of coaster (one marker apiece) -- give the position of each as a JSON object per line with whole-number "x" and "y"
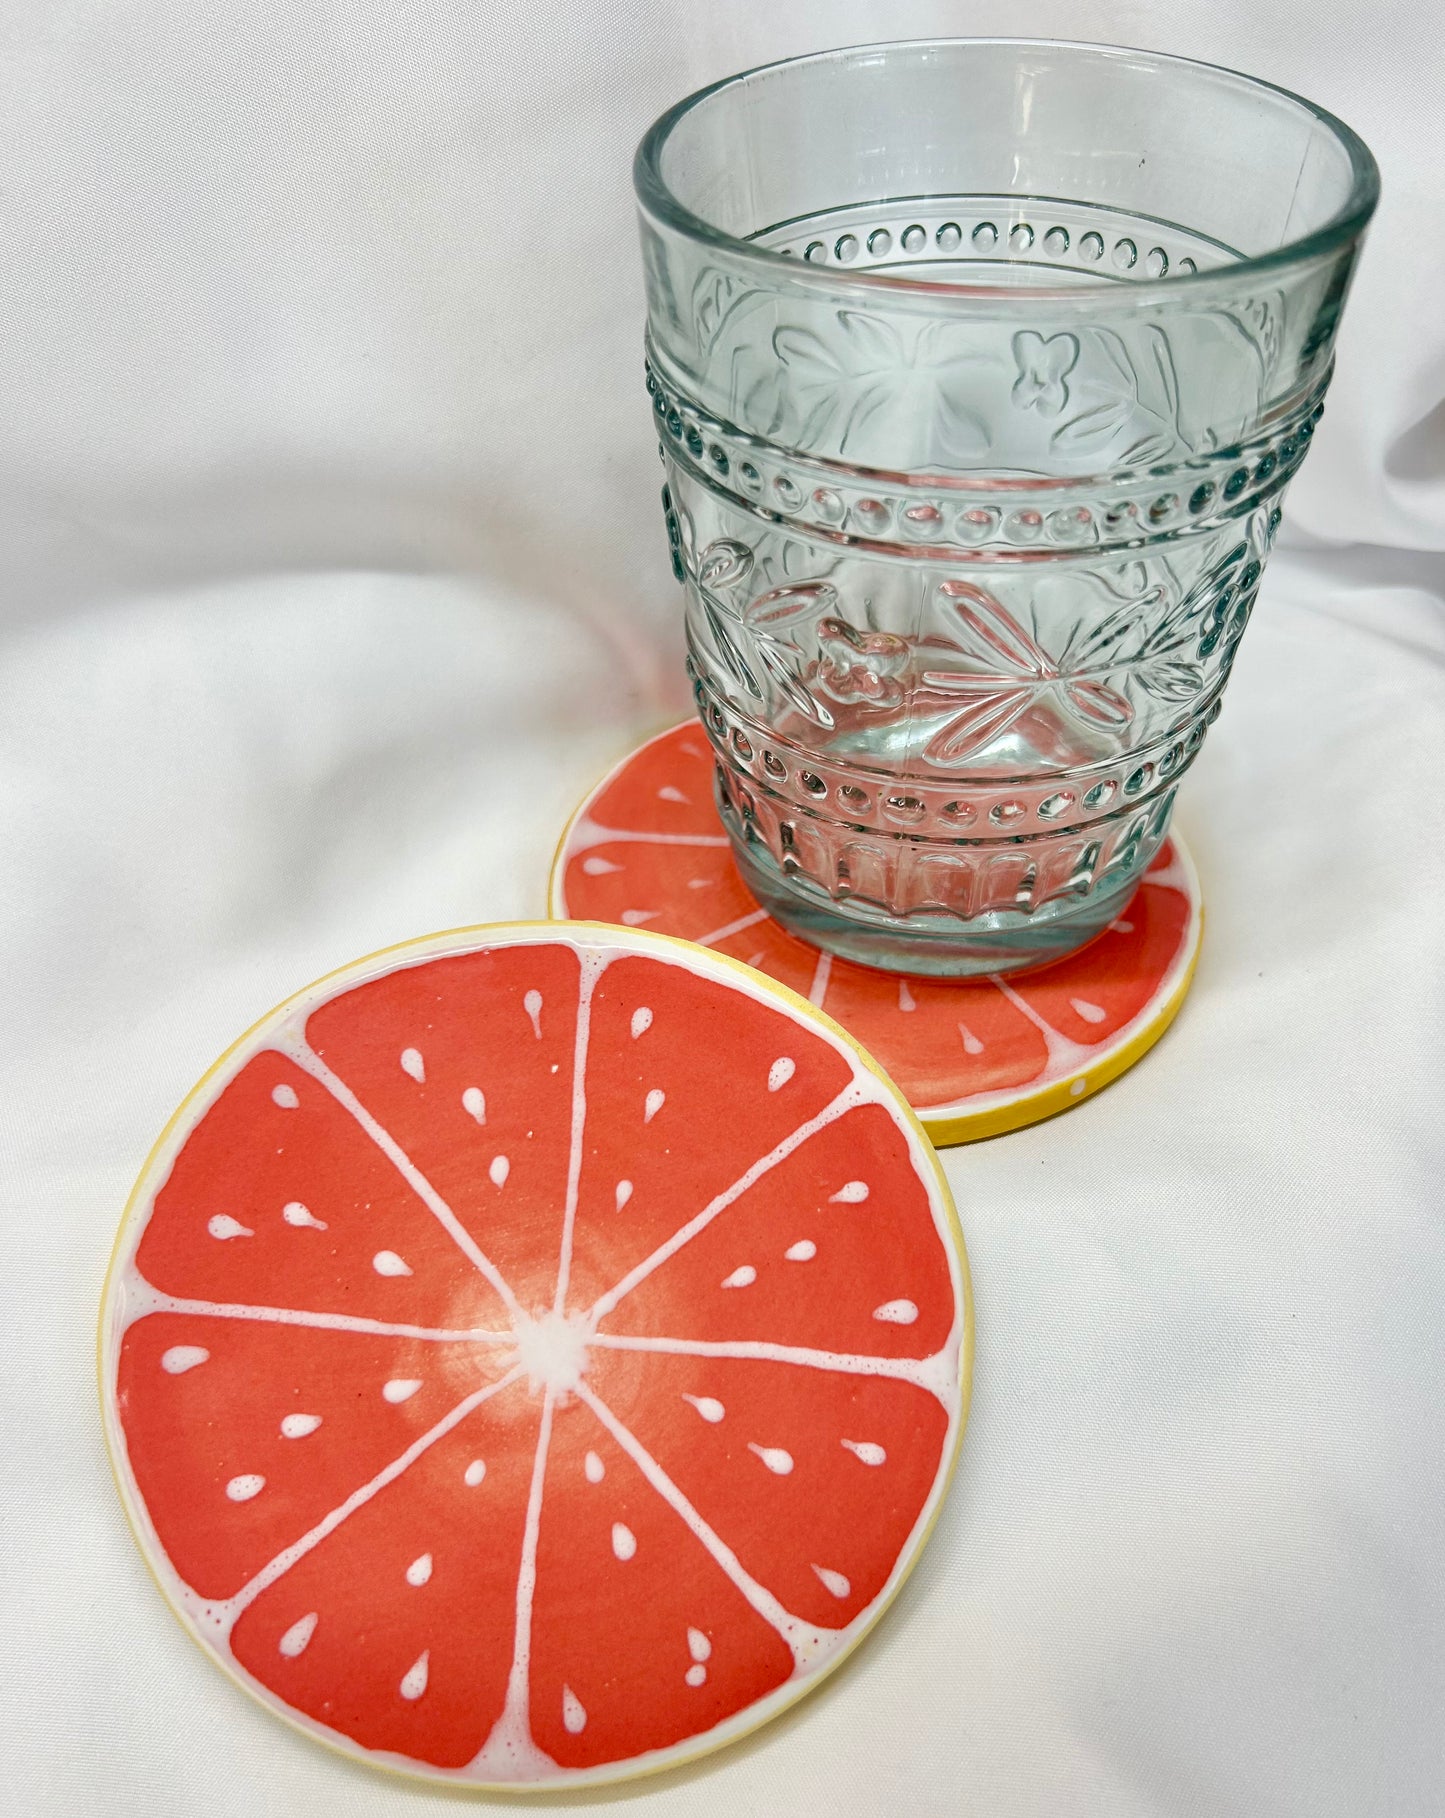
{"x": 965, "y": 1120}
{"x": 133, "y": 1505}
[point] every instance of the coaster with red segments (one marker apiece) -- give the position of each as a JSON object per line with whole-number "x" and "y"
{"x": 974, "y": 1057}
{"x": 508, "y": 1389}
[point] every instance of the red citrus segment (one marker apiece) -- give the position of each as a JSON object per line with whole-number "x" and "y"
{"x": 1092, "y": 995}
{"x": 939, "y": 1040}
{"x": 689, "y": 891}
{"x": 415, "y": 1598}
{"x": 771, "y": 1474}
{"x": 639, "y": 1639}
{"x": 674, "y": 796}
{"x": 835, "y": 1248}
{"x": 689, "y": 1083}
{"x": 280, "y": 1198}
{"x": 244, "y": 1433}
{"x": 467, "y": 1061}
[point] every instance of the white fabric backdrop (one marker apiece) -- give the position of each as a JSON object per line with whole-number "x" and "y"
{"x": 334, "y": 575}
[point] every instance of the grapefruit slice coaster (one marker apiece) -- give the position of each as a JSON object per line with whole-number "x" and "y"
{"x": 974, "y": 1057}
{"x": 536, "y": 1355}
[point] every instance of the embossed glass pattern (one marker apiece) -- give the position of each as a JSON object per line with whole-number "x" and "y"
{"x": 979, "y": 369}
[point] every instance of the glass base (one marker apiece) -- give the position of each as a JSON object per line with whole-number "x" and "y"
{"x": 937, "y": 946}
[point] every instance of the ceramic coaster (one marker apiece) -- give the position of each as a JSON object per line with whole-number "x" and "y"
{"x": 507, "y": 1386}
{"x": 975, "y": 1057}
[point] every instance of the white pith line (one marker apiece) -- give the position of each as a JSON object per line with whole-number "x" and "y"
{"x": 225, "y": 1613}
{"x": 592, "y": 967}
{"x": 1062, "y": 1049}
{"x": 853, "y": 1094}
{"x": 731, "y": 928}
{"x": 818, "y": 990}
{"x": 806, "y": 1643}
{"x": 294, "y": 1044}
{"x": 1173, "y": 876}
{"x": 923, "y": 1372}
{"x": 515, "y": 1717}
{"x": 588, "y": 834}
{"x": 156, "y": 1302}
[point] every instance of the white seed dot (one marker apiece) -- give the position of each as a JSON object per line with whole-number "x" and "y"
{"x": 624, "y": 1193}
{"x": 624, "y": 1541}
{"x": 1091, "y": 1013}
{"x": 696, "y": 1675}
{"x": 833, "y": 1581}
{"x": 906, "y": 999}
{"x": 413, "y": 1064}
{"x": 297, "y": 1426}
{"x": 775, "y": 1458}
{"x": 641, "y": 1021}
{"x": 387, "y": 1262}
{"x": 225, "y": 1227}
{"x": 243, "y": 1488}
{"x": 285, "y": 1097}
{"x": 594, "y": 1468}
{"x": 574, "y": 1718}
{"x": 400, "y": 1389}
{"x": 851, "y": 1194}
{"x": 419, "y": 1571}
{"x": 181, "y": 1358}
{"x": 711, "y": 1410}
{"x": 670, "y": 793}
{"x": 896, "y": 1313}
{"x": 1079, "y": 1088}
{"x": 1121, "y": 926}
{"x": 294, "y": 1641}
{"x": 474, "y": 1473}
{"x": 597, "y": 866}
{"x": 802, "y": 1251}
{"x": 414, "y": 1680}
{"x": 498, "y": 1170}
{"x": 698, "y": 1645}
{"x": 781, "y": 1071}
{"x": 532, "y": 1004}
{"x": 971, "y": 1043}
{"x": 635, "y": 918}
{"x": 743, "y": 1277}
{"x": 474, "y": 1103}
{"x": 866, "y": 1450}
{"x": 654, "y": 1102}
{"x": 301, "y": 1216}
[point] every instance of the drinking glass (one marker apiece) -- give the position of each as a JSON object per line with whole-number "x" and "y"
{"x": 980, "y": 368}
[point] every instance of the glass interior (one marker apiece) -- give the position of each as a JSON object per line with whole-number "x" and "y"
{"x": 1072, "y": 163}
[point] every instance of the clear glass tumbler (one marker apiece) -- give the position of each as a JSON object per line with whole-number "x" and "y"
{"x": 980, "y": 368}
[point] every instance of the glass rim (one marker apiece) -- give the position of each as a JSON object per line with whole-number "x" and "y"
{"x": 1347, "y": 223}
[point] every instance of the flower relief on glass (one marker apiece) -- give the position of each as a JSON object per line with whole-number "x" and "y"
{"x": 547, "y": 1404}
{"x": 972, "y": 490}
